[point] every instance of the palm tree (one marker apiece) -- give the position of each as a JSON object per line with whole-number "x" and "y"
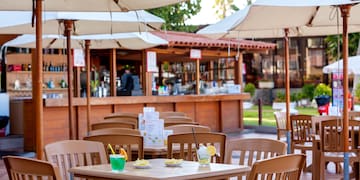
{"x": 335, "y": 41}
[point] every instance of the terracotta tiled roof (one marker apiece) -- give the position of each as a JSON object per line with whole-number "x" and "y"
{"x": 196, "y": 40}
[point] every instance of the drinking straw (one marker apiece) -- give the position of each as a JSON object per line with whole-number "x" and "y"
{"x": 112, "y": 150}
{"x": 193, "y": 132}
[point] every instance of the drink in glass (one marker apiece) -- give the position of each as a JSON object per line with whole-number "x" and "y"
{"x": 117, "y": 162}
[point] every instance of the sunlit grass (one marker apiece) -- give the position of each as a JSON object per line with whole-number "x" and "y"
{"x": 251, "y": 116}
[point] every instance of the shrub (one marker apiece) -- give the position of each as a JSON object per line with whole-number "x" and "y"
{"x": 280, "y": 97}
{"x": 308, "y": 91}
{"x": 357, "y": 91}
{"x": 322, "y": 89}
{"x": 250, "y": 88}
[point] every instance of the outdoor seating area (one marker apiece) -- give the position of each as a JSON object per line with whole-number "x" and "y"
{"x": 124, "y": 89}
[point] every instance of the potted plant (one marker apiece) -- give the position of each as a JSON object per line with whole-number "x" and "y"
{"x": 322, "y": 95}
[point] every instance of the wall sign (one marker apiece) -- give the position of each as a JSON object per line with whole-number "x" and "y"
{"x": 195, "y": 54}
{"x": 151, "y": 61}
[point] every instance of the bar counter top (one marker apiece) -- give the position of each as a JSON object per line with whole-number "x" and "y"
{"x": 146, "y": 99}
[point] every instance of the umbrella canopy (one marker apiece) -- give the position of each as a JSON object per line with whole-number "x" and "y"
{"x": 277, "y": 17}
{"x": 309, "y": 18}
{"x": 83, "y": 22}
{"x": 353, "y": 66}
{"x": 87, "y": 5}
{"x": 134, "y": 40}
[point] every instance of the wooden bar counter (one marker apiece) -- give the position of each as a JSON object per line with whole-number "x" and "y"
{"x": 222, "y": 113}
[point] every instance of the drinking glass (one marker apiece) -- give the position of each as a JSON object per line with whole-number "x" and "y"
{"x": 117, "y": 162}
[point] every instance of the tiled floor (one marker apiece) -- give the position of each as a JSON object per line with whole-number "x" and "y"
{"x": 14, "y": 145}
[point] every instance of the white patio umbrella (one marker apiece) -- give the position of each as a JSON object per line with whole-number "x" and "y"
{"x": 277, "y": 17}
{"x": 353, "y": 66}
{"x": 66, "y": 5}
{"x": 84, "y": 23}
{"x": 133, "y": 40}
{"x": 86, "y": 5}
{"x": 19, "y": 22}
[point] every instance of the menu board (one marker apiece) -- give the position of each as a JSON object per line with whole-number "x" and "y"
{"x": 337, "y": 89}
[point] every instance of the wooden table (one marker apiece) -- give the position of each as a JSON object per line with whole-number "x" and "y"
{"x": 158, "y": 170}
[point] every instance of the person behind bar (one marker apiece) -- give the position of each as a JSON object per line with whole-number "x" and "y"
{"x": 127, "y": 83}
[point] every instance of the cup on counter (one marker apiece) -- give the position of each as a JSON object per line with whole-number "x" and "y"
{"x": 117, "y": 162}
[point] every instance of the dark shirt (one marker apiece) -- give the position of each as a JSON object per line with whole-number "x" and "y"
{"x": 127, "y": 83}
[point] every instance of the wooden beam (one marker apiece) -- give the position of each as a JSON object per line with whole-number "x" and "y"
{"x": 113, "y": 72}
{"x": 206, "y": 52}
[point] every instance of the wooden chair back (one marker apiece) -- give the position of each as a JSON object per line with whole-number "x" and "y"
{"x": 316, "y": 120}
{"x": 114, "y": 124}
{"x": 21, "y": 168}
{"x": 128, "y": 142}
{"x": 355, "y": 115}
{"x": 72, "y": 153}
{"x": 114, "y": 131}
{"x": 287, "y": 167}
{"x": 301, "y": 128}
{"x": 253, "y": 149}
{"x": 188, "y": 128}
{"x": 164, "y": 114}
{"x": 121, "y": 115}
{"x": 127, "y": 120}
{"x": 331, "y": 136}
{"x": 189, "y": 141}
{"x": 178, "y": 118}
{"x": 280, "y": 119}
{"x": 177, "y": 122}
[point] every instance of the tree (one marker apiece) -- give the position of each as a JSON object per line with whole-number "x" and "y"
{"x": 222, "y": 7}
{"x": 176, "y": 15}
{"x": 332, "y": 45}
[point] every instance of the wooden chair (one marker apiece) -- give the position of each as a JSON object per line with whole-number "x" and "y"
{"x": 281, "y": 167}
{"x": 125, "y": 120}
{"x": 177, "y": 118}
{"x": 128, "y": 142}
{"x": 121, "y": 115}
{"x": 188, "y": 142}
{"x": 301, "y": 131}
{"x": 114, "y": 131}
{"x": 250, "y": 150}
{"x": 188, "y": 128}
{"x": 177, "y": 122}
{"x": 280, "y": 118}
{"x": 72, "y": 153}
{"x": 114, "y": 124}
{"x": 21, "y": 168}
{"x": 164, "y": 114}
{"x": 354, "y": 115}
{"x": 331, "y": 143}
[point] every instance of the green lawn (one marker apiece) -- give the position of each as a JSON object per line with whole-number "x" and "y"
{"x": 251, "y": 116}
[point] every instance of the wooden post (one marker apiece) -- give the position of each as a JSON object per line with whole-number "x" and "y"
{"x": 198, "y": 76}
{"x": 37, "y": 76}
{"x": 239, "y": 70}
{"x": 287, "y": 77}
{"x": 68, "y": 28}
{"x": 113, "y": 72}
{"x": 345, "y": 13}
{"x": 88, "y": 70}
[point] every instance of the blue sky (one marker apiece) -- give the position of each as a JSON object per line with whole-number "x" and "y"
{"x": 207, "y": 13}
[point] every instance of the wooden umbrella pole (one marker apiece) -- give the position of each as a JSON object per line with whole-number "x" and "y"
{"x": 88, "y": 69}
{"x": 68, "y": 27}
{"x": 37, "y": 75}
{"x": 287, "y": 88}
{"x": 345, "y": 13}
